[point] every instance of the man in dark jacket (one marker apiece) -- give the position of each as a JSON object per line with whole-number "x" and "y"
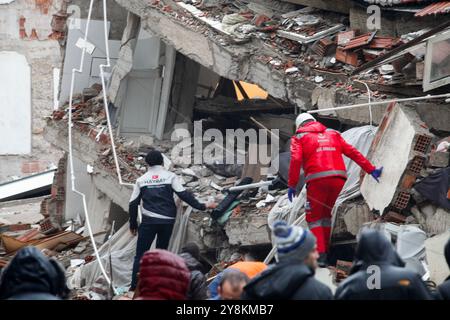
{"x": 378, "y": 273}
{"x": 155, "y": 190}
{"x": 198, "y": 290}
{"x": 444, "y": 288}
{"x": 162, "y": 276}
{"x": 32, "y": 276}
{"x": 292, "y": 278}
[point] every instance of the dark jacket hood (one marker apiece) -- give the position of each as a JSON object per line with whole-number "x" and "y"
{"x": 30, "y": 272}
{"x": 312, "y": 127}
{"x": 279, "y": 282}
{"x": 375, "y": 249}
{"x": 191, "y": 262}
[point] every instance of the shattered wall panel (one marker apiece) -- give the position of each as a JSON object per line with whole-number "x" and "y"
{"x": 400, "y": 146}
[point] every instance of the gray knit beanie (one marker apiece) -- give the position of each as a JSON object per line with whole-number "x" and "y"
{"x": 292, "y": 241}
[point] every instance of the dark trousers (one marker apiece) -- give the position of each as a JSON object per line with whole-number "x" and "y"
{"x": 146, "y": 234}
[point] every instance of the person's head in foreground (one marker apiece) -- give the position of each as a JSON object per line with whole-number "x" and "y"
{"x": 162, "y": 276}
{"x": 232, "y": 284}
{"x": 295, "y": 243}
{"x": 32, "y": 276}
{"x": 292, "y": 277}
{"x": 379, "y": 273}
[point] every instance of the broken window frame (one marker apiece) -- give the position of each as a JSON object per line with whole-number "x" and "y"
{"x": 428, "y": 83}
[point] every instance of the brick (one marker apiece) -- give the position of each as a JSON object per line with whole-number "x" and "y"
{"x": 35, "y": 166}
{"x": 22, "y": 31}
{"x": 43, "y": 5}
{"x": 347, "y": 57}
{"x": 34, "y": 35}
{"x": 408, "y": 181}
{"x": 104, "y": 139}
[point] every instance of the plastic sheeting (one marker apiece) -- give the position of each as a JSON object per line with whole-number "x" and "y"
{"x": 122, "y": 246}
{"x": 361, "y": 138}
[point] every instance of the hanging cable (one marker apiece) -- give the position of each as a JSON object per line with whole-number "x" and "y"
{"x": 105, "y": 98}
{"x": 379, "y": 103}
{"x": 72, "y": 172}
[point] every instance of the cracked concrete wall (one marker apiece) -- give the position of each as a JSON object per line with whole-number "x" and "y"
{"x": 87, "y": 152}
{"x": 245, "y": 62}
{"x": 43, "y": 55}
{"x": 232, "y": 62}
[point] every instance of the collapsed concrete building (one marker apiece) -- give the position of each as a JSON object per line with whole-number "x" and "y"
{"x": 190, "y": 51}
{"x": 183, "y": 61}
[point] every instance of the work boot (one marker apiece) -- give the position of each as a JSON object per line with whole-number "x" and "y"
{"x": 322, "y": 262}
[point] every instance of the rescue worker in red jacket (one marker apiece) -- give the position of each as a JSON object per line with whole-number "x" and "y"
{"x": 319, "y": 150}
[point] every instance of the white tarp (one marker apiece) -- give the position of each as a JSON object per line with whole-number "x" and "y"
{"x": 122, "y": 252}
{"x": 123, "y": 249}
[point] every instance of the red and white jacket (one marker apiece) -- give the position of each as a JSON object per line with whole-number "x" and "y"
{"x": 320, "y": 152}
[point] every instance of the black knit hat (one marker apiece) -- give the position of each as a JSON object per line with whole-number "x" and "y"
{"x": 154, "y": 158}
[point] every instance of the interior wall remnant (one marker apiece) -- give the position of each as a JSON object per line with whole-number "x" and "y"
{"x": 207, "y": 82}
{"x": 15, "y": 104}
{"x": 146, "y": 92}
{"x": 116, "y": 13}
{"x": 93, "y": 59}
{"x": 98, "y": 209}
{"x": 74, "y": 206}
{"x": 118, "y": 216}
{"x": 184, "y": 88}
{"x": 124, "y": 63}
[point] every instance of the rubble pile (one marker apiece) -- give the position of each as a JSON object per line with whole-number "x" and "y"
{"x": 65, "y": 244}
{"x": 208, "y": 181}
{"x": 303, "y": 42}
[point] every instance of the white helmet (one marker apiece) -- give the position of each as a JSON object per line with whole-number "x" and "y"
{"x": 302, "y": 117}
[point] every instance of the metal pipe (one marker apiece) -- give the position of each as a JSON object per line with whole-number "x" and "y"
{"x": 251, "y": 186}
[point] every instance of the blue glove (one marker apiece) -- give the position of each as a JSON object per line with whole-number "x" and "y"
{"x": 291, "y": 194}
{"x": 377, "y": 173}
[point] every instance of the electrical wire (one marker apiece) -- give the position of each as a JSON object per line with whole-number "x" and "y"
{"x": 369, "y": 93}
{"x": 378, "y": 103}
{"x": 105, "y": 98}
{"x": 70, "y": 124}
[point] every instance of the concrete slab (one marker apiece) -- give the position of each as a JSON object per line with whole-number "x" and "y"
{"x": 400, "y": 146}
{"x": 437, "y": 265}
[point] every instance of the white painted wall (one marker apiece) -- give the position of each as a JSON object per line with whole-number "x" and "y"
{"x": 15, "y": 104}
